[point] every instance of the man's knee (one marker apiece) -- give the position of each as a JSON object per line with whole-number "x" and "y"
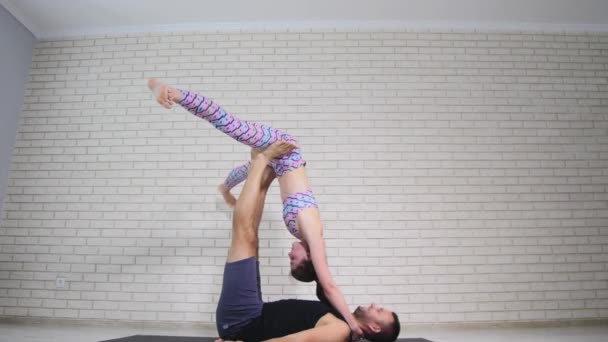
{"x": 244, "y": 245}
{"x": 245, "y": 213}
{"x": 245, "y": 234}
{"x": 243, "y": 217}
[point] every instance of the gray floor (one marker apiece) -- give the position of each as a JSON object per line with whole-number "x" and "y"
{"x": 32, "y": 332}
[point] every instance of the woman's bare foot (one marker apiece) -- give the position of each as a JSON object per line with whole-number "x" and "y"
{"x": 277, "y": 149}
{"x": 228, "y": 196}
{"x": 165, "y": 95}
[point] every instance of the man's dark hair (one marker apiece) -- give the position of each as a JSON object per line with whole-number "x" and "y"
{"x": 388, "y": 333}
{"x": 305, "y": 272}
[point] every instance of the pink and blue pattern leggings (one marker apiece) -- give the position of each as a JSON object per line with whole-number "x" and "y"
{"x": 249, "y": 133}
{"x": 254, "y": 135}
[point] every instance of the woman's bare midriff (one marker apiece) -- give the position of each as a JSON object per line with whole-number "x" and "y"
{"x": 293, "y": 181}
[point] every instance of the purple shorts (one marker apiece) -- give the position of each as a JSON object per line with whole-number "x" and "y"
{"x": 241, "y": 302}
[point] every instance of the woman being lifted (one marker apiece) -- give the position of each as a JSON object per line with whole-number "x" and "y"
{"x": 308, "y": 259}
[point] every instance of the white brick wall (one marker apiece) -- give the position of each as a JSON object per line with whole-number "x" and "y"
{"x": 461, "y": 176}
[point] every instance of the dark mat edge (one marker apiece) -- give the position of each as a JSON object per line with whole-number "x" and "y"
{"x": 141, "y": 338}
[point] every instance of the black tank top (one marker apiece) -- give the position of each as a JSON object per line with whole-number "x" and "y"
{"x": 286, "y": 317}
{"x": 321, "y": 295}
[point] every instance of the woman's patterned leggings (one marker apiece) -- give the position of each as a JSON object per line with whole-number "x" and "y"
{"x": 254, "y": 135}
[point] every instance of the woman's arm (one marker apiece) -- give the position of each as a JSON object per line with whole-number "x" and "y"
{"x": 313, "y": 235}
{"x": 321, "y": 294}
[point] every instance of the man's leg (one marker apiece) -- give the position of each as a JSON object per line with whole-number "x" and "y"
{"x": 240, "y": 302}
{"x": 248, "y": 212}
{"x": 250, "y": 205}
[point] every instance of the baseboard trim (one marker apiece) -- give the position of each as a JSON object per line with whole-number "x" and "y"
{"x": 508, "y": 324}
{"x": 103, "y": 323}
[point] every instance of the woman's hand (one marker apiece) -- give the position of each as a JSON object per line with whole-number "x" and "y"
{"x": 356, "y": 334}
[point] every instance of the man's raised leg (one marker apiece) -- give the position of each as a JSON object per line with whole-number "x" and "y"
{"x": 250, "y": 205}
{"x": 240, "y": 302}
{"x": 248, "y": 214}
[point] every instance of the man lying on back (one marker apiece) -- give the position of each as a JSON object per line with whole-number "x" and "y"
{"x": 242, "y": 315}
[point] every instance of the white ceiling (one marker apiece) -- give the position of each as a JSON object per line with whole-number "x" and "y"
{"x": 61, "y": 18}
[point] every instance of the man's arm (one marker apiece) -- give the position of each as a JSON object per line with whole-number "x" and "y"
{"x": 337, "y": 331}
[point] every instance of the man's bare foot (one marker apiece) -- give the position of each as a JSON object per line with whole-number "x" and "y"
{"x": 277, "y": 149}
{"x": 165, "y": 95}
{"x": 228, "y": 196}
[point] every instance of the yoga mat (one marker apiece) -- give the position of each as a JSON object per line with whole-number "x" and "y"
{"x": 151, "y": 338}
